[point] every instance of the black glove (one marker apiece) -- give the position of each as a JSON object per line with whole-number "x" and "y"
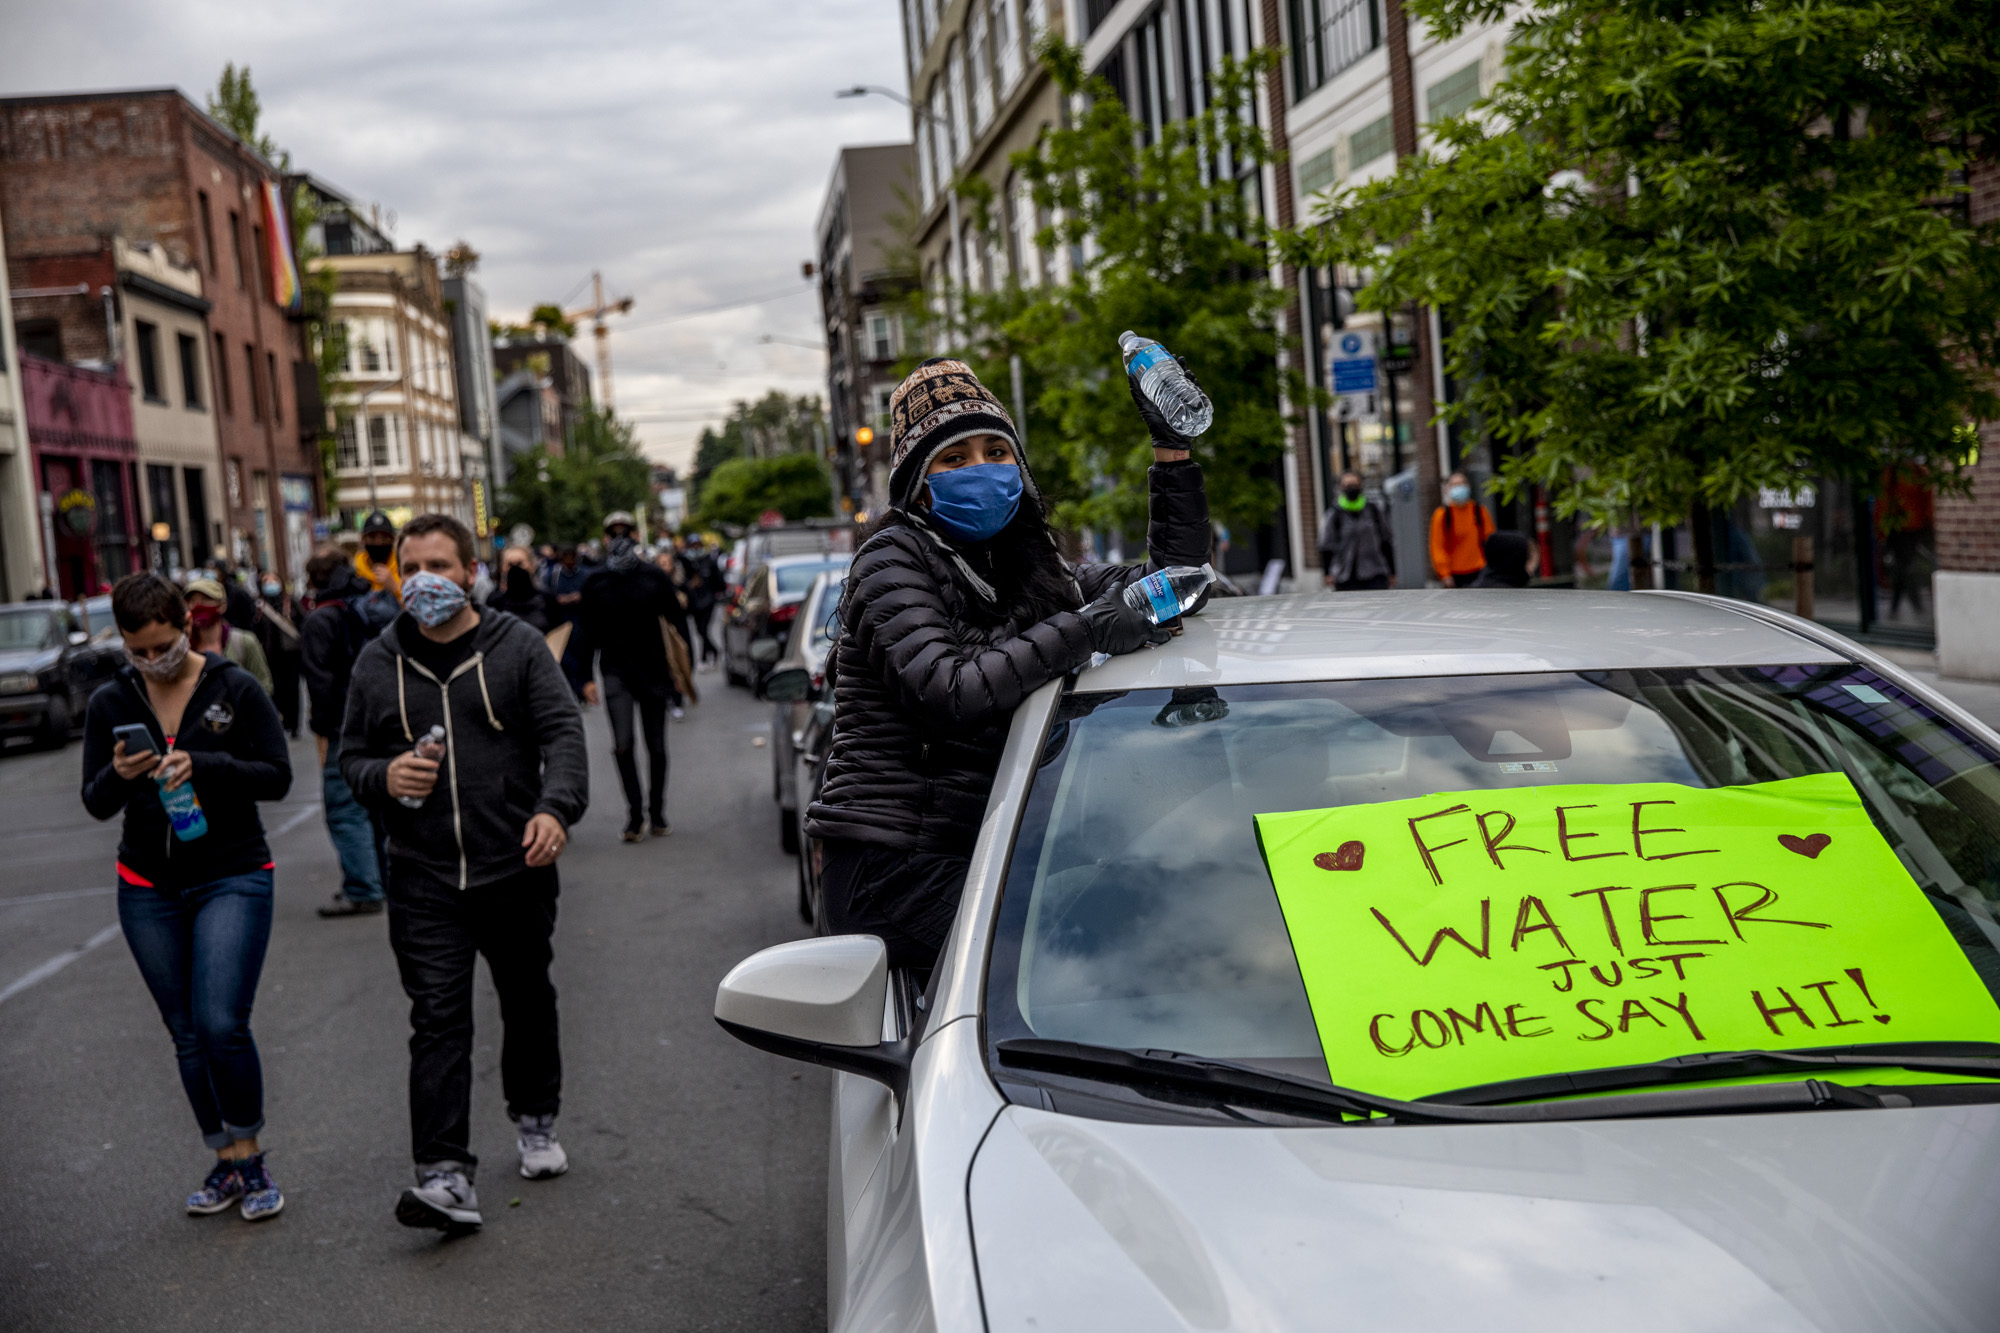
{"x": 1164, "y": 436}
{"x": 1116, "y": 628}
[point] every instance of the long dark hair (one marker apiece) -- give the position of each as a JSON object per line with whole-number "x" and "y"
{"x": 1021, "y": 562}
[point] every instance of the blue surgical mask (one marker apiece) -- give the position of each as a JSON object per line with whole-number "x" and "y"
{"x": 1458, "y": 495}
{"x": 975, "y": 502}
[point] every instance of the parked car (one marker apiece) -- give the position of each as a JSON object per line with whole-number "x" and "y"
{"x": 795, "y": 683}
{"x": 759, "y": 619}
{"x": 1123, "y": 1100}
{"x": 50, "y": 664}
{"x": 759, "y": 545}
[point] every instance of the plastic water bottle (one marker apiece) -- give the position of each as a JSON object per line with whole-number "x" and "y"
{"x": 1165, "y": 385}
{"x": 1165, "y": 594}
{"x": 430, "y": 745}
{"x": 183, "y": 810}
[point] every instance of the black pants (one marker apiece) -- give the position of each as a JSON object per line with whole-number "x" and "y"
{"x": 1375, "y": 584}
{"x": 438, "y": 931}
{"x": 906, "y": 899}
{"x": 698, "y": 621}
{"x": 620, "y": 698}
{"x": 285, "y": 689}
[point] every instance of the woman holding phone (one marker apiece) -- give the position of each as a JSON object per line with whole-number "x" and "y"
{"x": 194, "y": 878}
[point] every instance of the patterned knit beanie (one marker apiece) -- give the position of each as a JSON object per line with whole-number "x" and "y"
{"x": 941, "y": 403}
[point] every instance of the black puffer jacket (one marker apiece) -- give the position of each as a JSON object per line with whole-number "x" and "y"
{"x": 927, "y": 676}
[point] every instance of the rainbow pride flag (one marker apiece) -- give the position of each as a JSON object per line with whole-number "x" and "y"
{"x": 286, "y": 288}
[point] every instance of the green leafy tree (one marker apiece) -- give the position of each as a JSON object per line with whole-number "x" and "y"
{"x": 235, "y": 105}
{"x": 1687, "y": 251}
{"x": 564, "y": 497}
{"x": 741, "y": 489}
{"x": 774, "y": 425}
{"x": 1175, "y": 252}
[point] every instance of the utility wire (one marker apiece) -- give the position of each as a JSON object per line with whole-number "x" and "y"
{"x": 636, "y": 325}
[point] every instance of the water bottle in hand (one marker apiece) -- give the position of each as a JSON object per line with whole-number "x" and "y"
{"x": 183, "y": 810}
{"x": 1163, "y": 595}
{"x": 1165, "y": 385}
{"x": 430, "y": 745}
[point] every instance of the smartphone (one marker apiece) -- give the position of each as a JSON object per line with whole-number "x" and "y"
{"x": 137, "y": 739}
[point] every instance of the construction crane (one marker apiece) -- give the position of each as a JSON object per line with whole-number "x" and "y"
{"x": 595, "y": 313}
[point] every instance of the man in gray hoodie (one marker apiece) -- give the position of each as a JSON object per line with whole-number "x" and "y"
{"x": 473, "y": 836}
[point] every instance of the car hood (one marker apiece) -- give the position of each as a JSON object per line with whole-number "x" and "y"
{"x": 27, "y": 659}
{"x": 1849, "y": 1221}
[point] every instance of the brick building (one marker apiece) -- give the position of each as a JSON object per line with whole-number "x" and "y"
{"x": 82, "y": 172}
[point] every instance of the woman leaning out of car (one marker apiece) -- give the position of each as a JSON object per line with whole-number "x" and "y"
{"x": 957, "y": 607}
{"x": 194, "y": 888}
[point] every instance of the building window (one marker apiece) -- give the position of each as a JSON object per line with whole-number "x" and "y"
{"x": 194, "y": 489}
{"x": 1375, "y": 139}
{"x": 222, "y": 393}
{"x": 346, "y": 445}
{"x": 190, "y": 355}
{"x": 1328, "y": 36}
{"x": 39, "y": 337}
{"x": 277, "y": 395}
{"x": 978, "y": 51}
{"x": 378, "y": 441}
{"x": 1006, "y": 46}
{"x": 954, "y": 101}
{"x": 146, "y": 342}
{"x": 160, "y": 502}
{"x": 942, "y": 149}
{"x": 880, "y": 395}
{"x": 236, "y": 245}
{"x": 250, "y": 382}
{"x": 262, "y": 259}
{"x": 879, "y": 347}
{"x": 1317, "y": 172}
{"x": 207, "y": 232}
{"x": 1453, "y": 94}
{"x": 1095, "y": 12}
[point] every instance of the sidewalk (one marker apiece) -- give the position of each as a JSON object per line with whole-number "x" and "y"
{"x": 1978, "y": 697}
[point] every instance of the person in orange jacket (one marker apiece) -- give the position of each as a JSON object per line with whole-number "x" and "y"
{"x": 1459, "y": 529}
{"x": 375, "y": 563}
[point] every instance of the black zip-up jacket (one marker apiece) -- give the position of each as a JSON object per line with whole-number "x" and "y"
{"x": 329, "y": 640}
{"x": 926, "y": 686}
{"x": 514, "y": 748}
{"x": 618, "y": 621}
{"x": 232, "y": 733}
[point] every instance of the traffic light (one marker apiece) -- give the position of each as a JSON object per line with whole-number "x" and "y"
{"x": 864, "y": 436}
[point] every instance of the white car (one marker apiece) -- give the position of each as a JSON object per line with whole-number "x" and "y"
{"x": 1169, "y": 1076}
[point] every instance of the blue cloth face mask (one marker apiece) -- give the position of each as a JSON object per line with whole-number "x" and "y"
{"x": 432, "y": 598}
{"x": 1459, "y": 495}
{"x": 975, "y": 502}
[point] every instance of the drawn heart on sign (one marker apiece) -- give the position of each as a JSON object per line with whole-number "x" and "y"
{"x": 1809, "y": 847}
{"x": 1347, "y": 858}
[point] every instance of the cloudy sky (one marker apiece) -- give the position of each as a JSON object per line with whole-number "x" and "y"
{"x": 680, "y": 146}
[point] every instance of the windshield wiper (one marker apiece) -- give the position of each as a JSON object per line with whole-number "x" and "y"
{"x": 1225, "y": 1082}
{"x": 1976, "y": 1059}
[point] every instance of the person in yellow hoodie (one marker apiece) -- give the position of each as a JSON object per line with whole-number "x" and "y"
{"x": 375, "y": 562}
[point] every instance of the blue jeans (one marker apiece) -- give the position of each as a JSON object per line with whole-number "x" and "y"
{"x": 200, "y": 951}
{"x": 1621, "y": 565}
{"x": 356, "y": 840}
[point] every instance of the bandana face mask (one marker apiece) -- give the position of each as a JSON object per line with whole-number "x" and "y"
{"x": 622, "y": 554}
{"x": 164, "y": 667}
{"x": 432, "y": 598}
{"x": 975, "y": 503}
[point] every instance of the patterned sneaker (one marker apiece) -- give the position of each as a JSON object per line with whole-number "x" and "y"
{"x": 221, "y": 1189}
{"x": 541, "y": 1155}
{"x": 443, "y": 1200}
{"x": 261, "y": 1198}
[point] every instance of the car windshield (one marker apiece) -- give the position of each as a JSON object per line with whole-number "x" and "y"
{"x": 1139, "y": 912}
{"x": 26, "y": 627}
{"x": 795, "y": 580}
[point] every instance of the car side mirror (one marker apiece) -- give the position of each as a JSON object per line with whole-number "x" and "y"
{"x": 818, "y": 1000}
{"x": 763, "y": 650}
{"x": 78, "y": 638}
{"x": 788, "y": 686}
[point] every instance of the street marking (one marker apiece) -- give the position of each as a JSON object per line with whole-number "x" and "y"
{"x": 57, "y": 897}
{"x": 301, "y": 817}
{"x": 59, "y": 962}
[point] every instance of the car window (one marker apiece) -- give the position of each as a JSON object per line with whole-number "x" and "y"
{"x": 103, "y": 626}
{"x": 26, "y": 627}
{"x": 827, "y": 623}
{"x": 795, "y": 579}
{"x": 1138, "y": 911}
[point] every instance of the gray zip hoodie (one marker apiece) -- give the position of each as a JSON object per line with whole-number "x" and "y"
{"x": 514, "y": 749}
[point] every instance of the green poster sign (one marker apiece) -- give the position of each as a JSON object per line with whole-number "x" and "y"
{"x": 1468, "y": 937}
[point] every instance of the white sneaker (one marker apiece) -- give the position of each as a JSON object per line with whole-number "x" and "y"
{"x": 541, "y": 1156}
{"x": 678, "y": 712}
{"x": 443, "y": 1199}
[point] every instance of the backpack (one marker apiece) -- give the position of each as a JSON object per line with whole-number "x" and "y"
{"x": 373, "y": 611}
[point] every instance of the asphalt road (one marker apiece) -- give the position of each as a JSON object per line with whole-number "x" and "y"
{"x": 696, "y": 1192}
